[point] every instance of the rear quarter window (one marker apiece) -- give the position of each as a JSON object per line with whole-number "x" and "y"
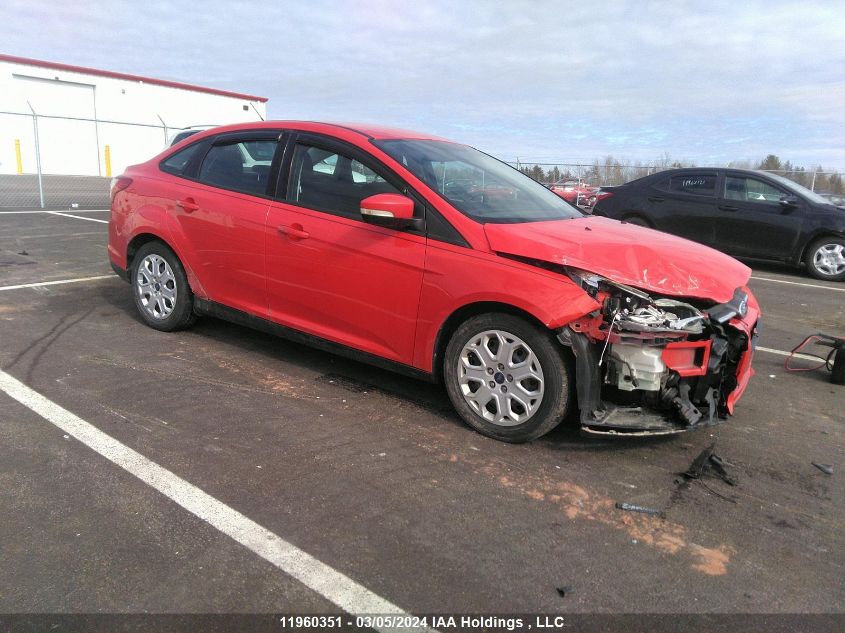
{"x": 178, "y": 162}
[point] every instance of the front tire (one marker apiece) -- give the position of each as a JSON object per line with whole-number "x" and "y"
{"x": 825, "y": 259}
{"x": 507, "y": 377}
{"x": 160, "y": 288}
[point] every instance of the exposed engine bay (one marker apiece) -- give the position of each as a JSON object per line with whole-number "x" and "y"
{"x": 651, "y": 365}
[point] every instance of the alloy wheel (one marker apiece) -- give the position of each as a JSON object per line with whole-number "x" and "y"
{"x": 156, "y": 286}
{"x": 829, "y": 259}
{"x": 500, "y": 378}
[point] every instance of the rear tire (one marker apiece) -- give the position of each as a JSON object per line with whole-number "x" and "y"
{"x": 160, "y": 288}
{"x": 825, "y": 258}
{"x": 507, "y": 377}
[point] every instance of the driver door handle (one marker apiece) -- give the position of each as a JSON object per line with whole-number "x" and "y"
{"x": 294, "y": 232}
{"x": 728, "y": 207}
{"x": 655, "y": 199}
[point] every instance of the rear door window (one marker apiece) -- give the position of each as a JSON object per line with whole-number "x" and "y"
{"x": 239, "y": 165}
{"x": 692, "y": 184}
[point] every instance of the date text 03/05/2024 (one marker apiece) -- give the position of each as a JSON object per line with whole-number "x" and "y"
{"x": 380, "y": 622}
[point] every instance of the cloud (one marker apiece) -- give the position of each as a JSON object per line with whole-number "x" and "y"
{"x": 714, "y": 82}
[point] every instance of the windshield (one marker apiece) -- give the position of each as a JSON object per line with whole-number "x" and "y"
{"x": 478, "y": 185}
{"x": 794, "y": 186}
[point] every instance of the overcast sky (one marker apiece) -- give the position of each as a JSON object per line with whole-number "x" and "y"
{"x": 558, "y": 81}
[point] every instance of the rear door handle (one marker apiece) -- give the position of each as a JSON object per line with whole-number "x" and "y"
{"x": 728, "y": 207}
{"x": 655, "y": 199}
{"x": 187, "y": 204}
{"x": 294, "y": 232}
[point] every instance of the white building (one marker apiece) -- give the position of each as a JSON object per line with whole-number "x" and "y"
{"x": 96, "y": 122}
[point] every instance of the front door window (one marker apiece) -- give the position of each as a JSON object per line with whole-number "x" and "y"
{"x": 328, "y": 181}
{"x": 751, "y": 190}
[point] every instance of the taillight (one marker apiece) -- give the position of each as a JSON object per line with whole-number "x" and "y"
{"x": 119, "y": 184}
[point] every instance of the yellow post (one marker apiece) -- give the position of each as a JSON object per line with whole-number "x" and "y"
{"x": 108, "y": 161}
{"x": 18, "y": 155}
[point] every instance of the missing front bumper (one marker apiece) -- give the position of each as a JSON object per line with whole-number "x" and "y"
{"x": 637, "y": 421}
{"x": 693, "y": 397}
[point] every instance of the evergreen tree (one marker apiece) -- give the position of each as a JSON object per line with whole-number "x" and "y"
{"x": 771, "y": 163}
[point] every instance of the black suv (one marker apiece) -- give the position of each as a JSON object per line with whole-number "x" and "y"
{"x": 744, "y": 213}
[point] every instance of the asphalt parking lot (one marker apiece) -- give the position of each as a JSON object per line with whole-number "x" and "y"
{"x": 372, "y": 475}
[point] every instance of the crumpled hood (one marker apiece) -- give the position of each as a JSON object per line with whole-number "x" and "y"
{"x": 625, "y": 253}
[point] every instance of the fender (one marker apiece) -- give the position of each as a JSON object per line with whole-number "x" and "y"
{"x": 815, "y": 234}
{"x": 553, "y": 300}
{"x": 153, "y": 219}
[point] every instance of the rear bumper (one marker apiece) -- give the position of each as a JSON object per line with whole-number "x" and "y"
{"x": 120, "y": 272}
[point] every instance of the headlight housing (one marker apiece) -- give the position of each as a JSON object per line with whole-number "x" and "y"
{"x": 591, "y": 282}
{"x": 587, "y": 281}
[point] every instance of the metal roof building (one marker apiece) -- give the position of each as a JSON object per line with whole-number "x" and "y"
{"x": 96, "y": 122}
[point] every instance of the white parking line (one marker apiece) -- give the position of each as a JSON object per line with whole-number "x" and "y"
{"x": 797, "y": 283}
{"x": 55, "y": 236}
{"x": 56, "y": 283}
{"x": 78, "y": 217}
{"x": 780, "y": 352}
{"x": 32, "y": 212}
{"x": 314, "y": 574}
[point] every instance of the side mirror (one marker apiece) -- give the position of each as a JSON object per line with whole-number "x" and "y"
{"x": 390, "y": 210}
{"x": 788, "y": 201}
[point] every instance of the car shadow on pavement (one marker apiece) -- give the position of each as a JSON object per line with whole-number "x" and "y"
{"x": 358, "y": 377}
{"x": 347, "y": 374}
{"x": 765, "y": 266}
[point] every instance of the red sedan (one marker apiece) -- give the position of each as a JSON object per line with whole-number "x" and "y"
{"x": 377, "y": 244}
{"x": 573, "y": 191}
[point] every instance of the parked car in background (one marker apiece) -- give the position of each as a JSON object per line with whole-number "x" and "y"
{"x": 744, "y": 213}
{"x": 573, "y": 191}
{"x": 187, "y": 132}
{"x": 599, "y": 194}
{"x": 834, "y": 198}
{"x": 436, "y": 260}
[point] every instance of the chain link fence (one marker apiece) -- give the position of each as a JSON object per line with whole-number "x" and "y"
{"x": 61, "y": 162}
{"x": 23, "y": 191}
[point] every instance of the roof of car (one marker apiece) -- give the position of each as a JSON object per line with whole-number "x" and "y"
{"x": 385, "y": 132}
{"x": 680, "y": 170}
{"x": 369, "y": 130}
{"x": 665, "y": 173}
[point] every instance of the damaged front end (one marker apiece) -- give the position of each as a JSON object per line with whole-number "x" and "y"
{"x": 657, "y": 365}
